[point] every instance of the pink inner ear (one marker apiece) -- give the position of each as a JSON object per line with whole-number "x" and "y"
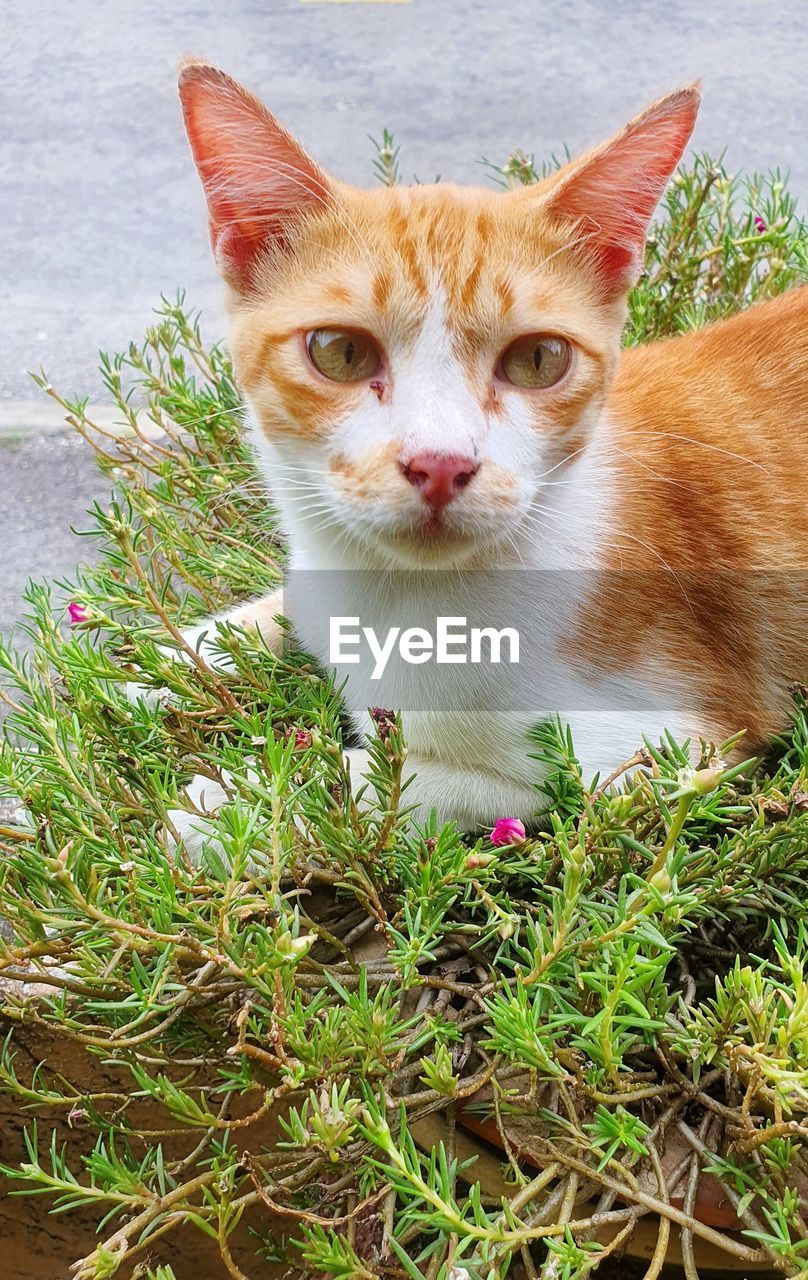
{"x": 612, "y": 194}
{"x": 257, "y": 180}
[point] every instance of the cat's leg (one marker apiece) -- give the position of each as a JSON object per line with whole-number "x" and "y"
{"x": 256, "y": 615}
{"x": 205, "y": 797}
{"x": 191, "y": 825}
{"x": 470, "y": 797}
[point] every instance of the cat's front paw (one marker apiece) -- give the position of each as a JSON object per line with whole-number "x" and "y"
{"x": 150, "y": 695}
{"x": 192, "y": 827}
{"x": 202, "y": 638}
{"x": 205, "y": 639}
{"x": 357, "y": 760}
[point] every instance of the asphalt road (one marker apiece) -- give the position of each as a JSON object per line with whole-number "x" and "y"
{"x": 101, "y": 211}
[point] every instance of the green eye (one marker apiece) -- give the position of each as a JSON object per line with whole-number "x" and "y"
{"x": 342, "y": 354}
{"x": 537, "y": 362}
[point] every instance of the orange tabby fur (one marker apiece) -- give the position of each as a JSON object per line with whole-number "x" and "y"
{"x": 695, "y": 513}
{"x": 712, "y": 429}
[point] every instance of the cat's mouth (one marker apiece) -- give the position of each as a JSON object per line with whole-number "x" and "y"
{"x": 434, "y": 540}
{"x": 433, "y": 527}
{"x": 414, "y": 535}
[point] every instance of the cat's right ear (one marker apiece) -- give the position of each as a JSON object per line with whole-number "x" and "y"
{"x": 258, "y": 181}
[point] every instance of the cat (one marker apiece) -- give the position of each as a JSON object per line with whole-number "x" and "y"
{"x": 435, "y": 389}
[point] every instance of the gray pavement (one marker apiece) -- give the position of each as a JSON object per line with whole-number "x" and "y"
{"x": 49, "y": 481}
{"x": 100, "y": 209}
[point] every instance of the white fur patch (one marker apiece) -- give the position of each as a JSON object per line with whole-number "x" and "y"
{"x": 471, "y": 765}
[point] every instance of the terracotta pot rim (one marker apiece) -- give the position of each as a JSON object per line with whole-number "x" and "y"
{"x": 487, "y": 1170}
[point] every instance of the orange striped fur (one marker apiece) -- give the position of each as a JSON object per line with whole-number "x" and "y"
{"x": 674, "y": 472}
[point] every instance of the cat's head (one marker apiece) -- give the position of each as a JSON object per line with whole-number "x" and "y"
{"x": 421, "y": 362}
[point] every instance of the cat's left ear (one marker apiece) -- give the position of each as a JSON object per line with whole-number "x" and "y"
{"x": 610, "y": 194}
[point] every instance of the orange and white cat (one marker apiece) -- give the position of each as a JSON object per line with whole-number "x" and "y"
{"x": 434, "y": 380}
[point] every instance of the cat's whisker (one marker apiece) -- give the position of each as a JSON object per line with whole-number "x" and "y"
{"x": 310, "y": 486}
{"x": 681, "y": 484}
{"x": 563, "y": 462}
{"x": 307, "y": 471}
{"x": 623, "y": 533}
{"x": 540, "y": 508}
{"x": 535, "y": 518}
{"x": 315, "y": 508}
{"x": 303, "y": 476}
{"x": 205, "y": 417}
{"x": 705, "y": 444}
{"x": 510, "y": 541}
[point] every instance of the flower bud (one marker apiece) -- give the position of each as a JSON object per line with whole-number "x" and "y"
{"x": 290, "y": 948}
{"x": 508, "y": 831}
{"x": 704, "y": 781}
{"x": 78, "y": 613}
{"x": 577, "y": 856}
{"x": 477, "y": 860}
{"x": 661, "y": 881}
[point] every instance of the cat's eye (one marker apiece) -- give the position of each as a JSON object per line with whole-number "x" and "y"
{"x": 536, "y": 362}
{"x": 343, "y": 355}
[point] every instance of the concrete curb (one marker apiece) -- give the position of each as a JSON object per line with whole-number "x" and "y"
{"x": 21, "y": 419}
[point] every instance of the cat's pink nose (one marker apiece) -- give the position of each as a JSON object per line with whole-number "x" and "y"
{"x": 439, "y": 476}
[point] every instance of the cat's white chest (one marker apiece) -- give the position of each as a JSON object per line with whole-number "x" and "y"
{"x": 478, "y": 715}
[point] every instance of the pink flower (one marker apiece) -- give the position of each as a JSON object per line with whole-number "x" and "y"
{"x": 508, "y": 831}
{"x": 78, "y": 612}
{"x": 760, "y": 224}
{"x": 302, "y": 739}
